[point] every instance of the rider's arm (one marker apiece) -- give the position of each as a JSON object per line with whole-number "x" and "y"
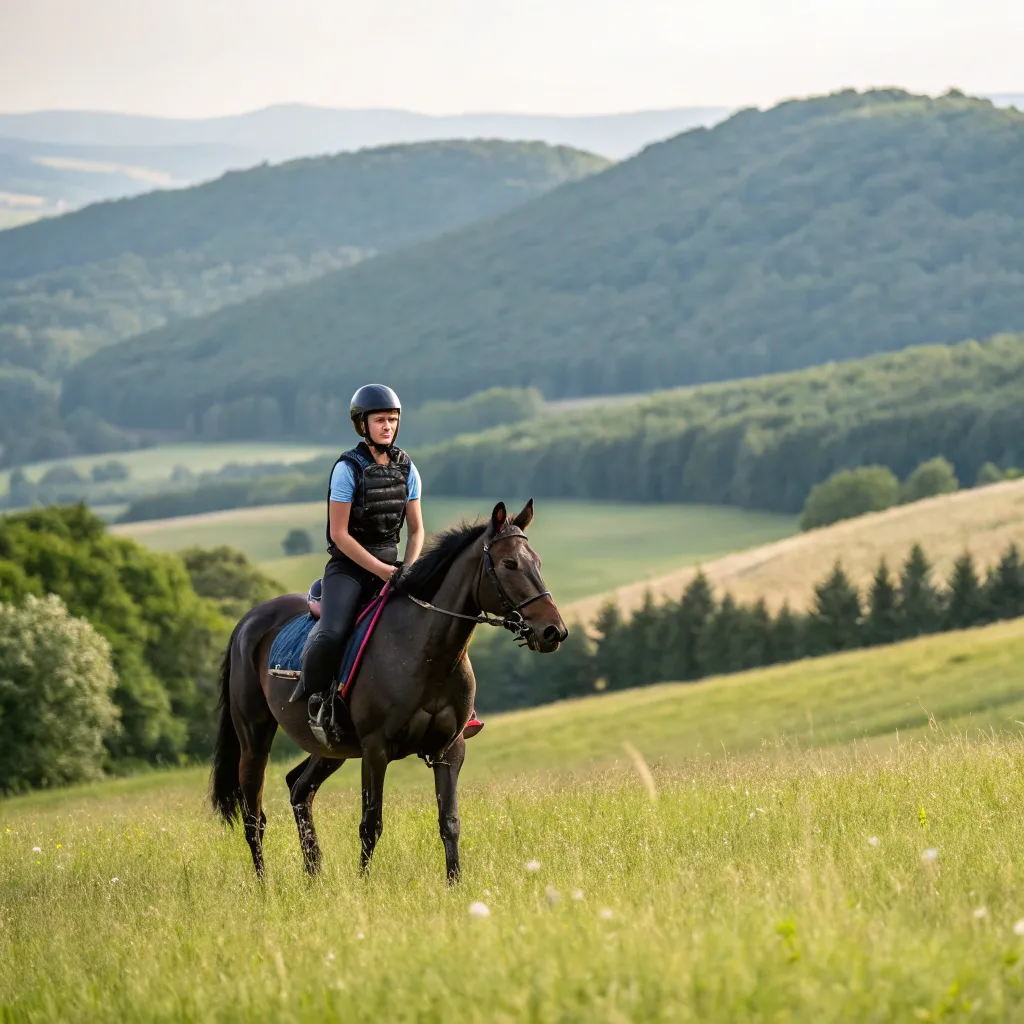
{"x": 414, "y": 520}
{"x": 338, "y": 513}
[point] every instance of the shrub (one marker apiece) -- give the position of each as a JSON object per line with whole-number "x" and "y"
{"x": 936, "y": 476}
{"x": 989, "y": 473}
{"x": 56, "y": 687}
{"x": 849, "y": 493}
{"x": 297, "y": 542}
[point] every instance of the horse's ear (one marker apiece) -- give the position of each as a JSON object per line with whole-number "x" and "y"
{"x": 525, "y": 517}
{"x": 498, "y": 518}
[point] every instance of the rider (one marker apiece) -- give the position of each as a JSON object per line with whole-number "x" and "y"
{"x": 374, "y": 490}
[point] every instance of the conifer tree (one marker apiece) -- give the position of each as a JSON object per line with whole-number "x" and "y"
{"x": 685, "y": 621}
{"x": 761, "y": 636}
{"x": 787, "y": 635}
{"x": 882, "y": 625}
{"x": 1004, "y": 588}
{"x": 965, "y": 598}
{"x": 834, "y": 623}
{"x": 919, "y": 606}
{"x": 717, "y": 648}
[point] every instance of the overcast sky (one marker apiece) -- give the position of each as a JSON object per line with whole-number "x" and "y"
{"x": 207, "y": 57}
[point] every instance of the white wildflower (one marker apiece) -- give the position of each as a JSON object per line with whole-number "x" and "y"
{"x": 114, "y": 881}
{"x": 552, "y": 894}
{"x": 1018, "y": 928}
{"x": 360, "y": 936}
{"x": 929, "y": 856}
{"x": 577, "y": 894}
{"x": 873, "y": 841}
{"x": 478, "y": 909}
{"x": 605, "y": 914}
{"x": 533, "y": 865}
{"x": 980, "y": 913}
{"x": 37, "y": 849}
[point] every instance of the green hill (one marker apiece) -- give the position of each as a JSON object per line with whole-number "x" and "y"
{"x": 823, "y": 229}
{"x": 72, "y": 284}
{"x": 760, "y": 443}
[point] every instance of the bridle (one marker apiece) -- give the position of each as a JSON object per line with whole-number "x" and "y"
{"x": 513, "y": 619}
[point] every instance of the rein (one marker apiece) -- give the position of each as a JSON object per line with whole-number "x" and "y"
{"x": 512, "y": 620}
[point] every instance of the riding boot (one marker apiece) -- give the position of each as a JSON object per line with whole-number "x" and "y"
{"x": 319, "y": 663}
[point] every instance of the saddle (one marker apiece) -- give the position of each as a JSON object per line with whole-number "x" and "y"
{"x": 286, "y": 652}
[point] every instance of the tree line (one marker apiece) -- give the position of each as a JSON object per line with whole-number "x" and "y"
{"x": 701, "y": 634}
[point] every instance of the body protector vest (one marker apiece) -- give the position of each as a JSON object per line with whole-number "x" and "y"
{"x": 378, "y": 505}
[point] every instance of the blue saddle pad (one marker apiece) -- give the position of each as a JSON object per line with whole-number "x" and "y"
{"x": 286, "y": 650}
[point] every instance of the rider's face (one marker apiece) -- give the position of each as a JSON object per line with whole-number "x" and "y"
{"x": 383, "y": 426}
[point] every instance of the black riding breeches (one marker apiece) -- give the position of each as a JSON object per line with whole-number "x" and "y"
{"x": 346, "y": 589}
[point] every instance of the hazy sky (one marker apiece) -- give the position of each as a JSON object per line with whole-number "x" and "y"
{"x": 203, "y": 57}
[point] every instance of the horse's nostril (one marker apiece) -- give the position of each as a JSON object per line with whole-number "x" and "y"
{"x": 552, "y": 634}
{"x": 564, "y": 636}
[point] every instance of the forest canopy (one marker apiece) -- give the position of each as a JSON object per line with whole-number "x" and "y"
{"x": 819, "y": 230}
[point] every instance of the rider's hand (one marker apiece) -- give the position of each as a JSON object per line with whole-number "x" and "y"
{"x": 387, "y": 571}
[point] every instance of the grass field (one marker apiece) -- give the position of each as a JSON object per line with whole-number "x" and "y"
{"x": 983, "y": 521}
{"x": 586, "y": 546}
{"x": 760, "y": 877}
{"x": 155, "y": 464}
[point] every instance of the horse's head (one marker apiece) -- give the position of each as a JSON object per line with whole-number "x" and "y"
{"x": 513, "y": 584}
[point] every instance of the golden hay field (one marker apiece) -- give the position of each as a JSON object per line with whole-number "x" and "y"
{"x": 983, "y": 521}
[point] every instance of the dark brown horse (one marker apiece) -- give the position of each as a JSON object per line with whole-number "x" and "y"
{"x": 413, "y": 695}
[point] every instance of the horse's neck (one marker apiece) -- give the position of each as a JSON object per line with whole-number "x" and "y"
{"x": 458, "y": 594}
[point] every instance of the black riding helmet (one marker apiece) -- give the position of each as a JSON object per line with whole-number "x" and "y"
{"x": 372, "y": 398}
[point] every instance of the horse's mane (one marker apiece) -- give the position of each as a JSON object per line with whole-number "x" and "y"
{"x": 425, "y": 576}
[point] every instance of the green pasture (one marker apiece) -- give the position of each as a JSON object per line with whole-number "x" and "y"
{"x": 780, "y": 854}
{"x": 156, "y": 464}
{"x": 586, "y": 547}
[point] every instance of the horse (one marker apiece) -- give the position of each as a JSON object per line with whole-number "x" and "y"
{"x": 413, "y": 694}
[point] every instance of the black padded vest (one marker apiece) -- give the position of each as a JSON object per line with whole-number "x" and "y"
{"x": 378, "y": 505}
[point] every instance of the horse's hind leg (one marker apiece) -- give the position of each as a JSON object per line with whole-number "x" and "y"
{"x": 446, "y": 786}
{"x": 303, "y": 782}
{"x": 252, "y": 767}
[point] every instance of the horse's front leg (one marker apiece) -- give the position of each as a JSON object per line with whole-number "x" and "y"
{"x": 375, "y": 765}
{"x": 446, "y": 786}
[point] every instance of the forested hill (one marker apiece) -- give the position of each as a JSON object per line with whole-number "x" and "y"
{"x": 75, "y": 283}
{"x": 760, "y": 443}
{"x": 374, "y": 199}
{"x": 822, "y": 229}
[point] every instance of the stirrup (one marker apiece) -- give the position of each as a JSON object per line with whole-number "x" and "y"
{"x": 319, "y": 725}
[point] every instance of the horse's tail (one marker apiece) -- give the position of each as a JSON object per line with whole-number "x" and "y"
{"x": 225, "y": 791}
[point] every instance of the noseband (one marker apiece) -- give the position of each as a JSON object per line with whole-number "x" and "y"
{"x": 512, "y": 620}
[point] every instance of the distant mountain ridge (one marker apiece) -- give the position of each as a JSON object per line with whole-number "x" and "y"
{"x": 820, "y": 230}
{"x": 290, "y": 130}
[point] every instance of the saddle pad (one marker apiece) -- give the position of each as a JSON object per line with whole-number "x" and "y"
{"x": 286, "y": 650}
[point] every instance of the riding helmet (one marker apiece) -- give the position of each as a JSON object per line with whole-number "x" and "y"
{"x": 371, "y": 398}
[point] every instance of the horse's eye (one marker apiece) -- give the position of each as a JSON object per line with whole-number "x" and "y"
{"x": 510, "y": 563}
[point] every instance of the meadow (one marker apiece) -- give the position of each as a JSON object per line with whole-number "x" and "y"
{"x": 787, "y": 855}
{"x": 154, "y": 465}
{"x": 982, "y": 520}
{"x": 586, "y": 546}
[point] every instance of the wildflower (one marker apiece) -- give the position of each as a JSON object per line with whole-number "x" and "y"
{"x": 37, "y": 849}
{"x": 605, "y": 914}
{"x": 980, "y": 913}
{"x": 330, "y": 957}
{"x": 478, "y": 909}
{"x": 60, "y": 846}
{"x": 552, "y": 894}
{"x": 533, "y": 865}
{"x": 360, "y": 936}
{"x": 1018, "y": 928}
{"x": 114, "y": 881}
{"x": 873, "y": 841}
{"x": 929, "y": 856}
{"x": 577, "y": 894}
